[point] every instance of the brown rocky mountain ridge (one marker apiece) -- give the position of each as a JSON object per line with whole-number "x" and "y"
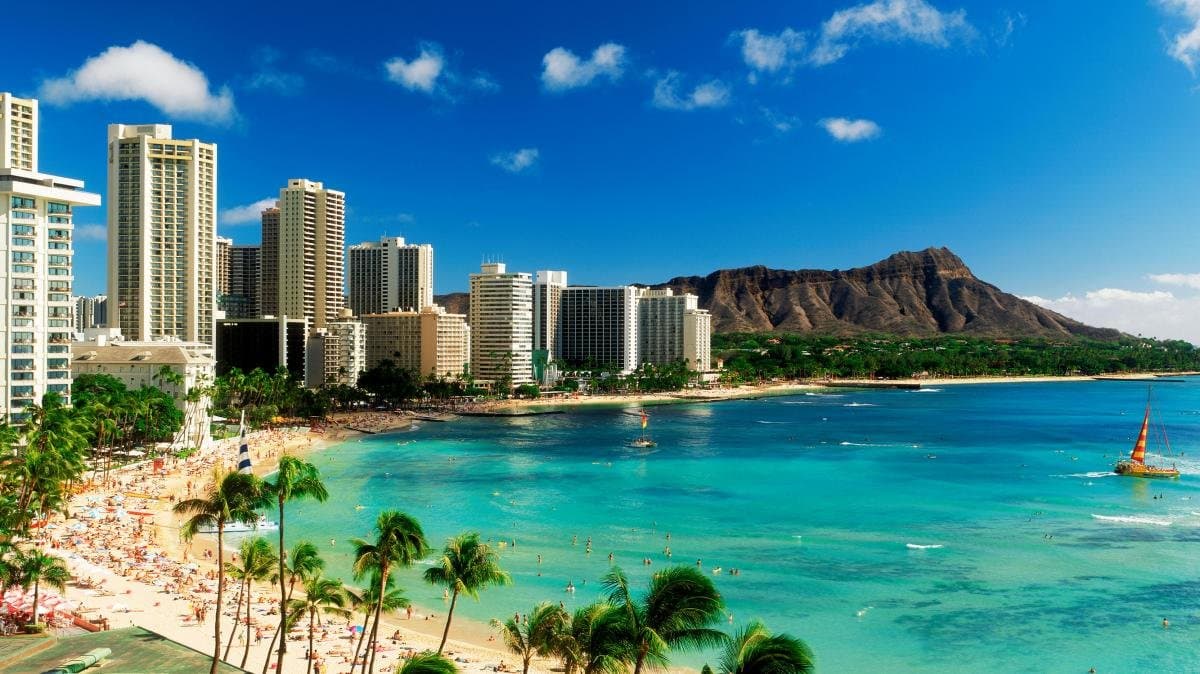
{"x": 913, "y": 294}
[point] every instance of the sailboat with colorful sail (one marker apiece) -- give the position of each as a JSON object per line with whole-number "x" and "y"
{"x": 643, "y": 441}
{"x": 1135, "y": 465}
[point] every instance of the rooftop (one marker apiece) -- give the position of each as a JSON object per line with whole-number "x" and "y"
{"x": 141, "y": 352}
{"x": 135, "y": 650}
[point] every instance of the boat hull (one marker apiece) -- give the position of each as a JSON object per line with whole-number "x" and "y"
{"x": 1131, "y": 469}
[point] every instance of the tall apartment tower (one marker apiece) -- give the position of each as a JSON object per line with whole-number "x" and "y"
{"x": 547, "y": 293}
{"x": 36, "y": 210}
{"x": 501, "y": 319}
{"x": 390, "y": 275}
{"x": 224, "y": 245}
{"x": 303, "y": 253}
{"x": 672, "y": 328}
{"x": 90, "y": 312}
{"x": 162, "y": 234}
{"x": 18, "y": 132}
{"x": 242, "y": 294}
{"x": 598, "y": 328}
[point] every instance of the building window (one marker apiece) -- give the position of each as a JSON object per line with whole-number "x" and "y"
{"x": 55, "y": 207}
{"x": 22, "y": 202}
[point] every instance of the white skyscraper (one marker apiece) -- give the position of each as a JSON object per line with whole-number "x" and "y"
{"x": 501, "y": 322}
{"x": 390, "y": 275}
{"x": 547, "y": 293}
{"x": 162, "y": 234}
{"x": 36, "y": 209}
{"x": 303, "y": 255}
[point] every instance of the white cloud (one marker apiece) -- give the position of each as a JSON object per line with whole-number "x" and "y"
{"x": 1155, "y": 313}
{"x": 484, "y": 82}
{"x": 889, "y": 21}
{"x": 419, "y": 74}
{"x": 143, "y": 71}
{"x": 851, "y": 130}
{"x": 1185, "y": 45}
{"x": 516, "y": 161}
{"x": 563, "y": 70}
{"x": 710, "y": 94}
{"x": 1188, "y": 280}
{"x": 249, "y": 213}
{"x": 768, "y": 53}
{"x": 91, "y": 232}
{"x": 782, "y": 123}
{"x": 269, "y": 76}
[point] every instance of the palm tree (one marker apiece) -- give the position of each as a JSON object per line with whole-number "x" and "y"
{"x": 533, "y": 636}
{"x": 754, "y": 650}
{"x": 304, "y": 561}
{"x": 366, "y": 600}
{"x": 232, "y": 497}
{"x": 257, "y": 564}
{"x": 51, "y": 457}
{"x": 294, "y": 479}
{"x": 466, "y": 566}
{"x": 429, "y": 663}
{"x": 321, "y": 595}
{"x": 399, "y": 542}
{"x": 677, "y": 612}
{"x": 590, "y": 640}
{"x": 36, "y": 568}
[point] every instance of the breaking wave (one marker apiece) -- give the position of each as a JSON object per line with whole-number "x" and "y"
{"x": 1132, "y": 519}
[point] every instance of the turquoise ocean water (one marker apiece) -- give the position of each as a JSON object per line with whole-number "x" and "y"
{"x": 816, "y": 499}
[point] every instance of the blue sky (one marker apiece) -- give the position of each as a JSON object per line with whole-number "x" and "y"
{"x": 1052, "y": 145}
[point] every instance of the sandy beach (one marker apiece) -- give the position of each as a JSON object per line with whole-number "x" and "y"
{"x": 784, "y": 388}
{"x": 129, "y": 566}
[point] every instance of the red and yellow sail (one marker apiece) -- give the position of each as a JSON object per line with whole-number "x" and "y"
{"x": 1139, "y": 448}
{"x": 646, "y": 420}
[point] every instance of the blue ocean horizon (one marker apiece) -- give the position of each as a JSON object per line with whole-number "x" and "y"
{"x": 962, "y": 528}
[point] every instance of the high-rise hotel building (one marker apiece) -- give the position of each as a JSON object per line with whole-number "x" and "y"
{"x": 598, "y": 328}
{"x": 162, "y": 234}
{"x": 390, "y": 275}
{"x": 36, "y": 211}
{"x": 672, "y": 328}
{"x": 501, "y": 319}
{"x": 237, "y": 279}
{"x": 303, "y": 255}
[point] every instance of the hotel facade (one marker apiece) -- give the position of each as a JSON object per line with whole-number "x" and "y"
{"x": 162, "y": 234}
{"x": 390, "y": 275}
{"x": 501, "y": 318}
{"x": 37, "y": 209}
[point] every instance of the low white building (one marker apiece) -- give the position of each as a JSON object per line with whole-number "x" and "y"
{"x": 337, "y": 353}
{"x": 138, "y": 364}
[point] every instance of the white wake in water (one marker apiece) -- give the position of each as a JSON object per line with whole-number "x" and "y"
{"x": 826, "y": 395}
{"x": 859, "y": 405}
{"x": 1132, "y": 519}
{"x": 1093, "y": 474}
{"x": 760, "y": 421}
{"x": 918, "y": 546}
{"x": 927, "y": 390}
